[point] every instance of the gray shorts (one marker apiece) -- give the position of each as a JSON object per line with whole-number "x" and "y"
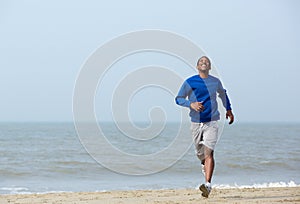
{"x": 205, "y": 137}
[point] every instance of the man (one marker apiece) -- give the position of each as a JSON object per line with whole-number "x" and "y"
{"x": 199, "y": 93}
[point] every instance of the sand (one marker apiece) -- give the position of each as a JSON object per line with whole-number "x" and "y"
{"x": 246, "y": 195}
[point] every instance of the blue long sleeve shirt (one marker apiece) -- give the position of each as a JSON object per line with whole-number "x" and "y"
{"x": 204, "y": 90}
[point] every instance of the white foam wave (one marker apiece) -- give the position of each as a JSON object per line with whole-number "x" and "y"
{"x": 262, "y": 185}
{"x": 24, "y": 190}
{"x": 15, "y": 190}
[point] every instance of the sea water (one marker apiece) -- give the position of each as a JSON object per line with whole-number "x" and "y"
{"x": 49, "y": 157}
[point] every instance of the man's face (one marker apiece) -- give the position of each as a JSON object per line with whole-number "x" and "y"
{"x": 203, "y": 64}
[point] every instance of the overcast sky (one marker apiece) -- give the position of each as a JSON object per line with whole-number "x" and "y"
{"x": 254, "y": 45}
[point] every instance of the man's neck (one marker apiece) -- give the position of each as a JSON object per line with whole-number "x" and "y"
{"x": 203, "y": 74}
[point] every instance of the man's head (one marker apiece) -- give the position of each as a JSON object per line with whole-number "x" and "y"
{"x": 203, "y": 64}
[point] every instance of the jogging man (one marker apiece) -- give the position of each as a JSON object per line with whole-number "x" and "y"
{"x": 199, "y": 93}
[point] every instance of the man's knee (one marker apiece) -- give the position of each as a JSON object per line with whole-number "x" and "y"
{"x": 209, "y": 155}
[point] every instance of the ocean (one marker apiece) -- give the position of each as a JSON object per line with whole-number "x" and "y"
{"x": 49, "y": 157}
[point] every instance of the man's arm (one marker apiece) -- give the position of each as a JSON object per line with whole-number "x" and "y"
{"x": 226, "y": 103}
{"x": 180, "y": 99}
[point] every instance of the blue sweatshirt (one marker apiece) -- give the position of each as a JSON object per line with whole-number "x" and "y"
{"x": 197, "y": 89}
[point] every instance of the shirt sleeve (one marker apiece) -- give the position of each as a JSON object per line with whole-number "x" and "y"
{"x": 181, "y": 98}
{"x": 224, "y": 97}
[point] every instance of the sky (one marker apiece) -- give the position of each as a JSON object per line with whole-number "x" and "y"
{"x": 254, "y": 45}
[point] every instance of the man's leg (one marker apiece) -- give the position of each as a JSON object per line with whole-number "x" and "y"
{"x": 209, "y": 166}
{"x": 210, "y": 137}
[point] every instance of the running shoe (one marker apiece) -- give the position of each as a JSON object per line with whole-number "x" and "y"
{"x": 205, "y": 190}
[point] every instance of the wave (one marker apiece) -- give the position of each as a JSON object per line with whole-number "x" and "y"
{"x": 14, "y": 190}
{"x": 279, "y": 184}
{"x": 24, "y": 190}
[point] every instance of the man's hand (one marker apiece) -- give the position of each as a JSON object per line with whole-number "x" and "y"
{"x": 230, "y": 115}
{"x": 197, "y": 106}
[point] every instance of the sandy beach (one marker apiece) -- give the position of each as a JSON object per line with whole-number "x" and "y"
{"x": 246, "y": 195}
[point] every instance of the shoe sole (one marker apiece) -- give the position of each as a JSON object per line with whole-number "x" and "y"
{"x": 204, "y": 191}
